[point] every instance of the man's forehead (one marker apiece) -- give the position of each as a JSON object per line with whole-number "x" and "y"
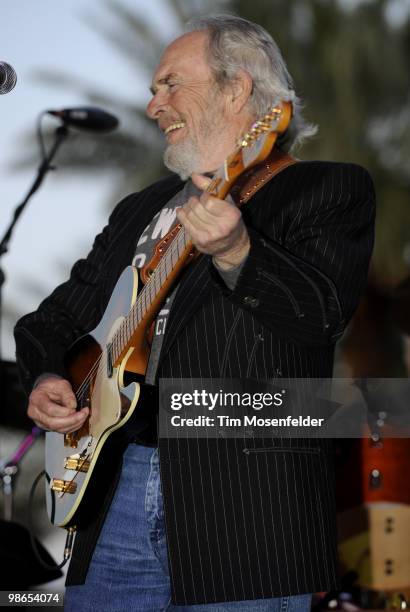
{"x": 186, "y": 53}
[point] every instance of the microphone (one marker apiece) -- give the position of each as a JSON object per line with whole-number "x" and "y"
{"x": 8, "y": 78}
{"x": 87, "y": 118}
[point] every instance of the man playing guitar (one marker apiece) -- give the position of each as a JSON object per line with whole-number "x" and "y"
{"x": 273, "y": 290}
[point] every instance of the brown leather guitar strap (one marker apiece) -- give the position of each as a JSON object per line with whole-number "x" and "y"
{"x": 255, "y": 178}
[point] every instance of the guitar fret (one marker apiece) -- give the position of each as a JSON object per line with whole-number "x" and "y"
{"x": 147, "y": 301}
{"x": 184, "y": 238}
{"x": 121, "y": 336}
{"x": 138, "y": 308}
{"x": 174, "y": 258}
{"x": 166, "y": 265}
{"x": 151, "y": 292}
{"x": 161, "y": 271}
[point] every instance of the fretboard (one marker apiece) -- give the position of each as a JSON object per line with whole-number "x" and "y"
{"x": 161, "y": 277}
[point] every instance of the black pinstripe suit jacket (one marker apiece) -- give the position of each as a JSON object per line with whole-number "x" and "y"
{"x": 239, "y": 525}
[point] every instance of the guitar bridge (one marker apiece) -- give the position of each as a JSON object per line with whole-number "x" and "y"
{"x": 79, "y": 465}
{"x": 63, "y": 486}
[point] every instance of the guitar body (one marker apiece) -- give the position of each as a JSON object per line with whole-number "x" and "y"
{"x": 71, "y": 458}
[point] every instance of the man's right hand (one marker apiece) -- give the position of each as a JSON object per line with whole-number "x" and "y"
{"x": 52, "y": 405}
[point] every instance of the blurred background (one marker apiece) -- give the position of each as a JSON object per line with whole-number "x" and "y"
{"x": 350, "y": 60}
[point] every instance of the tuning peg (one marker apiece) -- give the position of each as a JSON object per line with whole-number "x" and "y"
{"x": 265, "y": 127}
{"x": 247, "y": 140}
{"x": 274, "y": 114}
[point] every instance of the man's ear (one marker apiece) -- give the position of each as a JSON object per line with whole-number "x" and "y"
{"x": 241, "y": 90}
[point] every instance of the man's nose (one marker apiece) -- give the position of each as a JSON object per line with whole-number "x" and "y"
{"x": 155, "y": 105}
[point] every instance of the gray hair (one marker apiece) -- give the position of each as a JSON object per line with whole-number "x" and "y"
{"x": 236, "y": 43}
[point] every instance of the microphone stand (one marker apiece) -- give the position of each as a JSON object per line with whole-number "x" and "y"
{"x": 9, "y": 470}
{"x": 25, "y": 562}
{"x": 61, "y": 134}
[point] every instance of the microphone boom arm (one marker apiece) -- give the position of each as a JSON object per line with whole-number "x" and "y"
{"x": 61, "y": 134}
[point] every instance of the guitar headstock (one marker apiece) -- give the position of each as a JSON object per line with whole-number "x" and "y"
{"x": 256, "y": 144}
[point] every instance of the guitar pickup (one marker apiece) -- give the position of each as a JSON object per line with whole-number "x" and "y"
{"x": 110, "y": 367}
{"x": 79, "y": 465}
{"x": 63, "y": 486}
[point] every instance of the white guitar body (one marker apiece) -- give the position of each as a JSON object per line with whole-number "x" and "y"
{"x": 106, "y": 415}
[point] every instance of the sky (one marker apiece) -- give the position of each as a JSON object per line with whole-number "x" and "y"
{"x": 61, "y": 220}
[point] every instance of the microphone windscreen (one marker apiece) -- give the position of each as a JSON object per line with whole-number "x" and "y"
{"x": 87, "y": 118}
{"x": 8, "y": 78}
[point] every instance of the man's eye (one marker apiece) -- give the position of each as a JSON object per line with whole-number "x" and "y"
{"x": 171, "y": 85}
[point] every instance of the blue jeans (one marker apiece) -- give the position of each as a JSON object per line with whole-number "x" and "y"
{"x": 129, "y": 568}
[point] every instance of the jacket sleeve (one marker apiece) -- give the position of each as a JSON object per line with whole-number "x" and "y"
{"x": 307, "y": 286}
{"x": 73, "y": 309}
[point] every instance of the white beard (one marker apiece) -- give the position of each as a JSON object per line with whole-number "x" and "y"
{"x": 187, "y": 156}
{"x": 182, "y": 158}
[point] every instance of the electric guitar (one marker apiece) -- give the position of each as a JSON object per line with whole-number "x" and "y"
{"x": 98, "y": 362}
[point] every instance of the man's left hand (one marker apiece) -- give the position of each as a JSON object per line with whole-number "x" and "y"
{"x": 215, "y": 226}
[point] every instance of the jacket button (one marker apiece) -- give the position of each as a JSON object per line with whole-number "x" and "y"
{"x": 251, "y": 301}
